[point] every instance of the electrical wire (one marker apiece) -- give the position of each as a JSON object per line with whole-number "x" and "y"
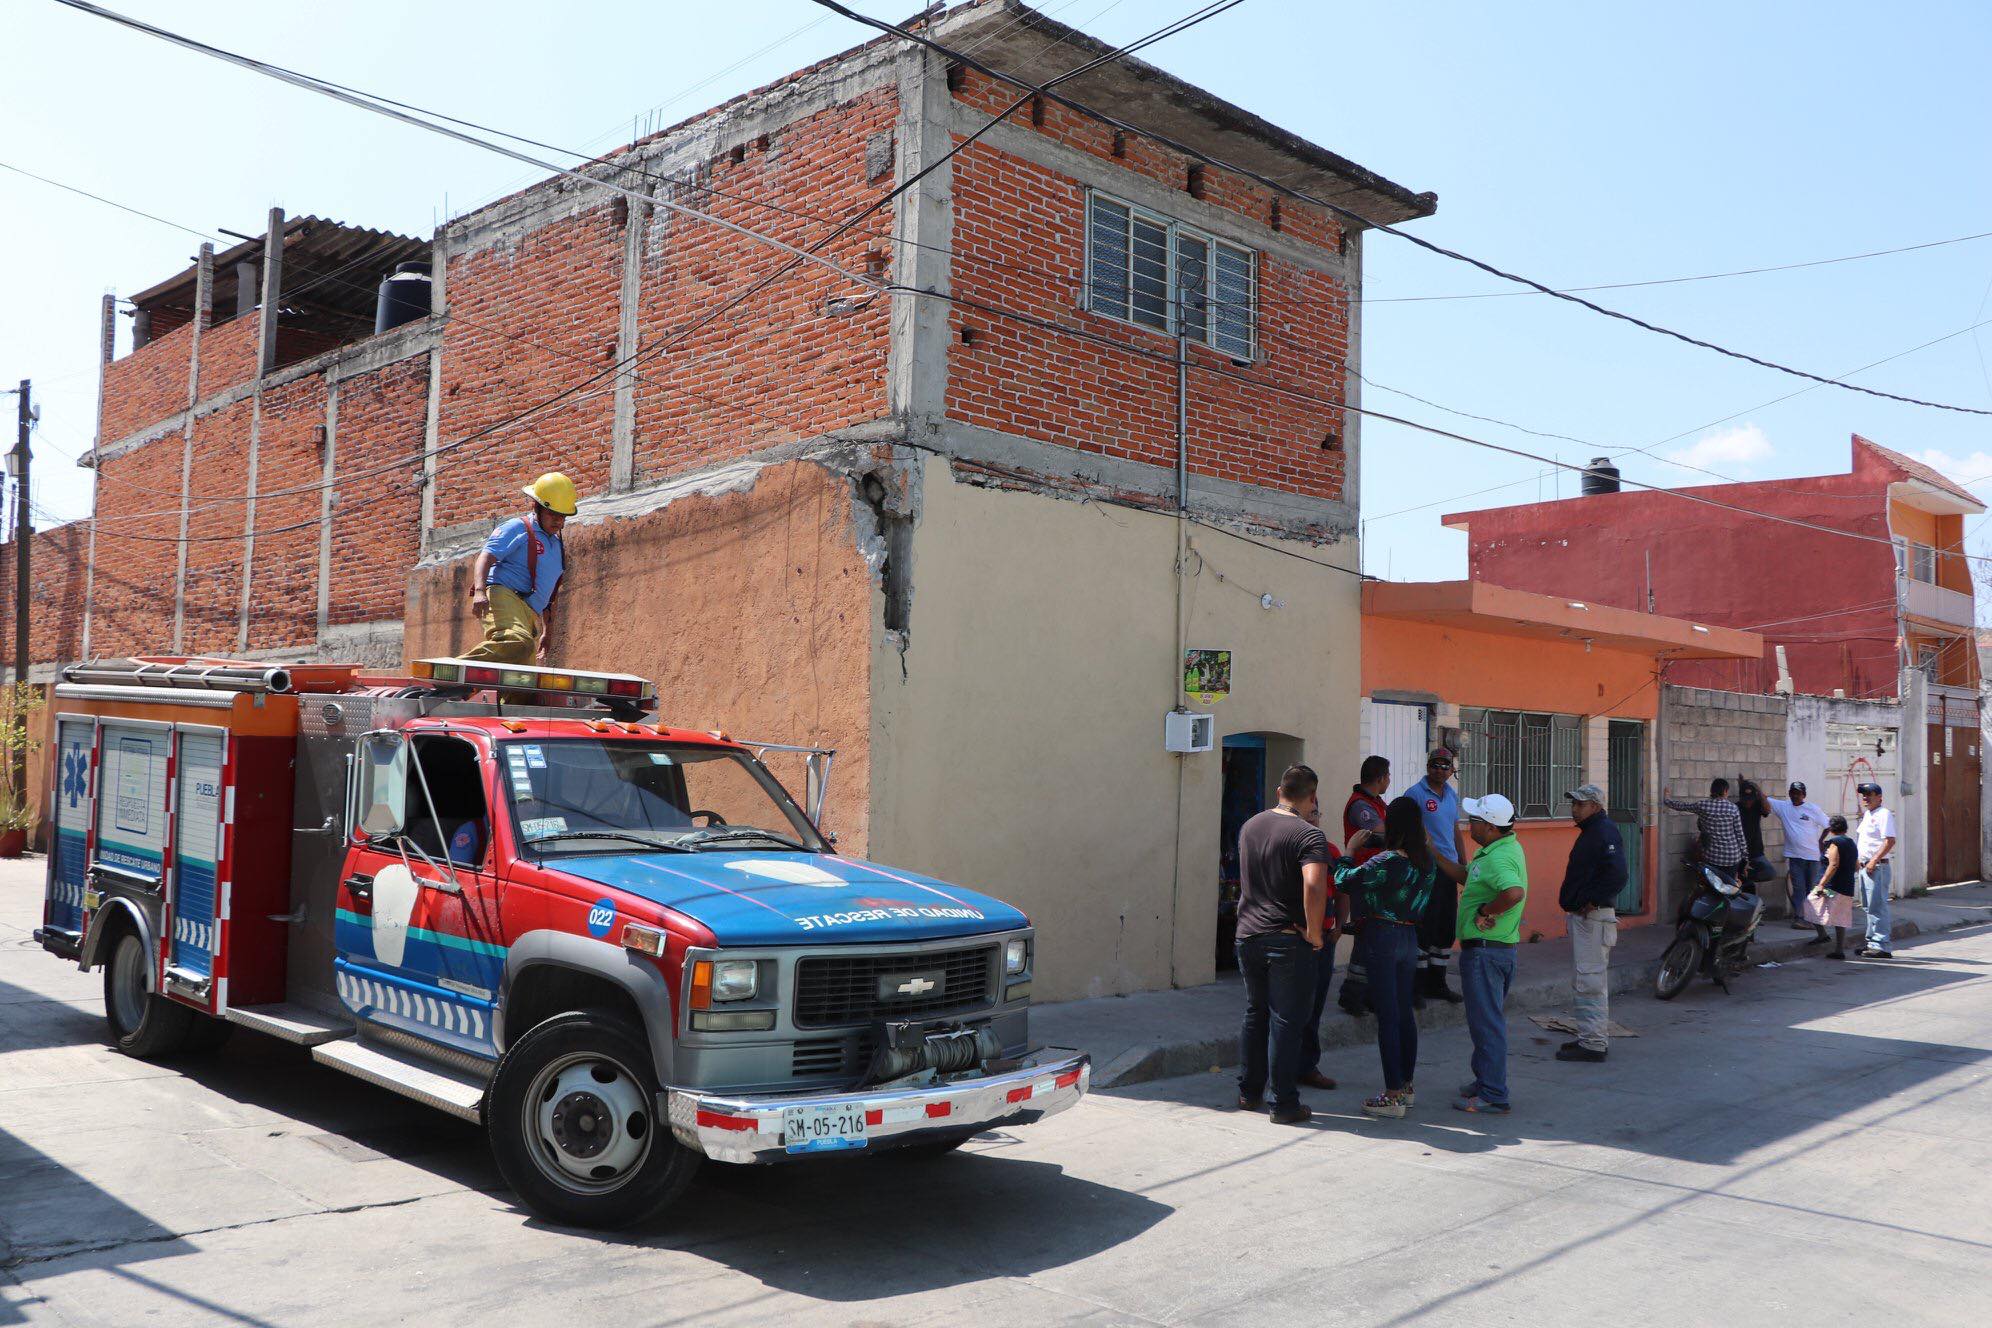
{"x": 1349, "y": 213}
{"x": 1171, "y": 29}
{"x": 1677, "y": 281}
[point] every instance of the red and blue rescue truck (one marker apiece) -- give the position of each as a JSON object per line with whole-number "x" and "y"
{"x": 501, "y": 891}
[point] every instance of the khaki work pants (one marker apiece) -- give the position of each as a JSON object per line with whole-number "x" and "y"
{"x": 511, "y": 630}
{"x": 1591, "y": 942}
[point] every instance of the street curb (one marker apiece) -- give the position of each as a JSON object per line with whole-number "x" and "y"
{"x": 1168, "y": 1060}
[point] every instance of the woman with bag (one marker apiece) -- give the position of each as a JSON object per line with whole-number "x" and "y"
{"x": 1394, "y": 887}
{"x": 1831, "y": 903}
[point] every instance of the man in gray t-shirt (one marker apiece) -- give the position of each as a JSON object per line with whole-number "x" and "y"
{"x": 1282, "y": 905}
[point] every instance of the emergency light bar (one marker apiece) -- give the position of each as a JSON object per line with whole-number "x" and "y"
{"x": 622, "y": 688}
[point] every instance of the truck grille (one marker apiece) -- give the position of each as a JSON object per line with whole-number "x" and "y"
{"x": 847, "y": 989}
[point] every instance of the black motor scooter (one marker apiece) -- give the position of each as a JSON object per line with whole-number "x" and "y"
{"x": 1717, "y": 922}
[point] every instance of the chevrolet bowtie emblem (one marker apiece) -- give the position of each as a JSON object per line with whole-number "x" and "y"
{"x": 915, "y": 987}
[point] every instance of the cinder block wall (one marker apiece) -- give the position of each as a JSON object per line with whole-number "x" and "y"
{"x": 1706, "y": 734}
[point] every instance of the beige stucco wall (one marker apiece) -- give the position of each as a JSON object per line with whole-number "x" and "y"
{"x": 1020, "y": 749}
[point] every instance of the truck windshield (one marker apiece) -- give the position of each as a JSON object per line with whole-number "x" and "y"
{"x": 581, "y": 795}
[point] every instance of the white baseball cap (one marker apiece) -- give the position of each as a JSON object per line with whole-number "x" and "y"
{"x": 1493, "y": 809}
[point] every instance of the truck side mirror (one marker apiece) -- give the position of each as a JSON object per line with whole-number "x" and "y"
{"x": 383, "y": 783}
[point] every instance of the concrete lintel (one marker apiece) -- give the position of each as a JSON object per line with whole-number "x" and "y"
{"x": 376, "y": 644}
{"x": 369, "y": 356}
{"x": 675, "y": 150}
{"x": 1273, "y": 510}
{"x": 848, "y": 450}
{"x": 1087, "y": 169}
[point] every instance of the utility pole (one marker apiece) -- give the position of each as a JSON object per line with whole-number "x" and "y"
{"x": 17, "y": 467}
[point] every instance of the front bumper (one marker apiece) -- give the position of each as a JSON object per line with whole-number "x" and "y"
{"x": 732, "y": 1128}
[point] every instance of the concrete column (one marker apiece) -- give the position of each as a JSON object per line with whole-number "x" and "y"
{"x": 249, "y": 520}
{"x": 272, "y": 293}
{"x": 1352, "y": 382}
{"x": 917, "y": 369}
{"x": 203, "y": 317}
{"x": 107, "y": 341}
{"x": 622, "y": 452}
{"x": 429, "y": 428}
{"x": 327, "y": 509}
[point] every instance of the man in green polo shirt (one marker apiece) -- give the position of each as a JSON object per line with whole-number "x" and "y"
{"x": 1490, "y": 923}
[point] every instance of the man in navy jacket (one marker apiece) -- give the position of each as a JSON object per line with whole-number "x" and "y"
{"x": 1591, "y": 887}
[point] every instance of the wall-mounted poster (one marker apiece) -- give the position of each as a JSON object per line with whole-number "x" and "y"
{"x": 1207, "y": 674}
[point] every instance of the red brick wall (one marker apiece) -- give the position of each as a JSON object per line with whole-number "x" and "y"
{"x": 145, "y": 386}
{"x": 55, "y": 593}
{"x": 780, "y": 367}
{"x": 228, "y": 354}
{"x": 283, "y": 571}
{"x": 139, "y": 505}
{"x": 1019, "y": 245}
{"x": 376, "y": 531}
{"x": 214, "y": 527}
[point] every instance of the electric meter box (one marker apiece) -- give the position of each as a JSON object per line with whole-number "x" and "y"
{"x": 1185, "y": 732}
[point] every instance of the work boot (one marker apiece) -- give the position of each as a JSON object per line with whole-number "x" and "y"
{"x": 1436, "y": 988}
{"x": 1315, "y": 1079}
{"x": 1297, "y": 1114}
{"x": 1577, "y": 1051}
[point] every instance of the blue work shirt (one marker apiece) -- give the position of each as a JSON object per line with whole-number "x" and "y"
{"x": 508, "y": 545}
{"x": 1440, "y": 808}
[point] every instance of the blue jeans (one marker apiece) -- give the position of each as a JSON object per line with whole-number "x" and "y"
{"x": 1279, "y": 988}
{"x": 1873, "y": 887}
{"x": 1310, "y": 1034}
{"x": 1391, "y": 957}
{"x": 1485, "y": 973}
{"x": 1801, "y": 874}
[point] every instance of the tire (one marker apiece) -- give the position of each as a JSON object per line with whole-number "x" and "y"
{"x": 142, "y": 1024}
{"x": 572, "y": 1114}
{"x": 1677, "y": 967}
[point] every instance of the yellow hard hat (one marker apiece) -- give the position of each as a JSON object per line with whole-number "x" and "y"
{"x": 553, "y": 491}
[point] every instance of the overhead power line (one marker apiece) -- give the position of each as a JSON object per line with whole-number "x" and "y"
{"x": 569, "y": 395}
{"x": 1680, "y": 281}
{"x": 1342, "y": 210}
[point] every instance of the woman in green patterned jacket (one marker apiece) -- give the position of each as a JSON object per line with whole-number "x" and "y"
{"x": 1394, "y": 887}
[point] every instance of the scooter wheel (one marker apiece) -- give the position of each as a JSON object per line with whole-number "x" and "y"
{"x": 1677, "y": 967}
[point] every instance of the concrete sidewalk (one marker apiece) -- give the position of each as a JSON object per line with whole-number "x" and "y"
{"x": 1160, "y": 1034}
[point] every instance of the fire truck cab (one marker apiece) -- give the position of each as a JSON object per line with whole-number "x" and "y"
{"x": 621, "y": 946}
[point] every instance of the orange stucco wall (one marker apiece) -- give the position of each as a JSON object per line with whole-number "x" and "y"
{"x": 1512, "y": 672}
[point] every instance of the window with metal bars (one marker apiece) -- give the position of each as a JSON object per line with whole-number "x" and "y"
{"x": 1528, "y": 757}
{"x": 1146, "y": 269}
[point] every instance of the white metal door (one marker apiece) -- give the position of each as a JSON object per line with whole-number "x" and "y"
{"x": 1400, "y": 732}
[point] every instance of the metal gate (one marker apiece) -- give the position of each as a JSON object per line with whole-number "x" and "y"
{"x": 1625, "y": 800}
{"x": 1400, "y": 733}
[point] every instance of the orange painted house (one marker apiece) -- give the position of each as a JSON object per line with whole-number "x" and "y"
{"x": 1538, "y": 694}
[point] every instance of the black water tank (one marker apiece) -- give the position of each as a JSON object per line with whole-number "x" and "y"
{"x": 1601, "y": 476}
{"x": 404, "y": 296}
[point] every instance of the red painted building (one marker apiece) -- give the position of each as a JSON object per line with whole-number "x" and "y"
{"x": 1848, "y": 613}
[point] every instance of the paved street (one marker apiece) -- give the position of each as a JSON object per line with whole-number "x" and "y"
{"x": 1811, "y": 1148}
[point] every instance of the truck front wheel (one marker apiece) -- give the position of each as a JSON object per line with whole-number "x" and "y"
{"x": 143, "y": 1023}
{"x": 573, "y": 1118}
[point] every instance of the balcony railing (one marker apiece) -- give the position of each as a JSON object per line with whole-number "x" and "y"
{"x": 1920, "y": 599}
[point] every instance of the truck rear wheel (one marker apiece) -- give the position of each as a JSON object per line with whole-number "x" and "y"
{"x": 143, "y": 1023}
{"x": 574, "y": 1126}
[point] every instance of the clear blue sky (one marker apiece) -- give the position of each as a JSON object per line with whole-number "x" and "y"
{"x": 1578, "y": 143}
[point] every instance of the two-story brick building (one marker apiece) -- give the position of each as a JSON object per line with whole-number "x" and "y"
{"x": 962, "y": 530}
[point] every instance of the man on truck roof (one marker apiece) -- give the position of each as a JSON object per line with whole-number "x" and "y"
{"x": 517, "y": 575}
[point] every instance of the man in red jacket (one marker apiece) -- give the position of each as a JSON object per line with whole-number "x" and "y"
{"x": 1363, "y": 811}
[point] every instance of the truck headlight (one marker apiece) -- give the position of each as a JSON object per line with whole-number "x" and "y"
{"x": 735, "y": 979}
{"x": 1016, "y": 957}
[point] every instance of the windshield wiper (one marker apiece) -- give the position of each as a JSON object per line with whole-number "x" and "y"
{"x": 663, "y": 844}
{"x": 720, "y": 834}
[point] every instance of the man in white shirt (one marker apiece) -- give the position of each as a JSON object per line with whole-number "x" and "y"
{"x": 1874, "y": 843}
{"x": 1804, "y": 822}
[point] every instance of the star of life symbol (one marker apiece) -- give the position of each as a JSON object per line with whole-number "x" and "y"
{"x": 75, "y": 775}
{"x": 915, "y": 987}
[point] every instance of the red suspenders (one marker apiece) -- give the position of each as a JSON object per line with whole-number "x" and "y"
{"x": 532, "y": 568}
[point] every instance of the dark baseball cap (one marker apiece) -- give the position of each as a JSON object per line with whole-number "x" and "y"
{"x": 1869, "y": 787}
{"x": 1797, "y": 786}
